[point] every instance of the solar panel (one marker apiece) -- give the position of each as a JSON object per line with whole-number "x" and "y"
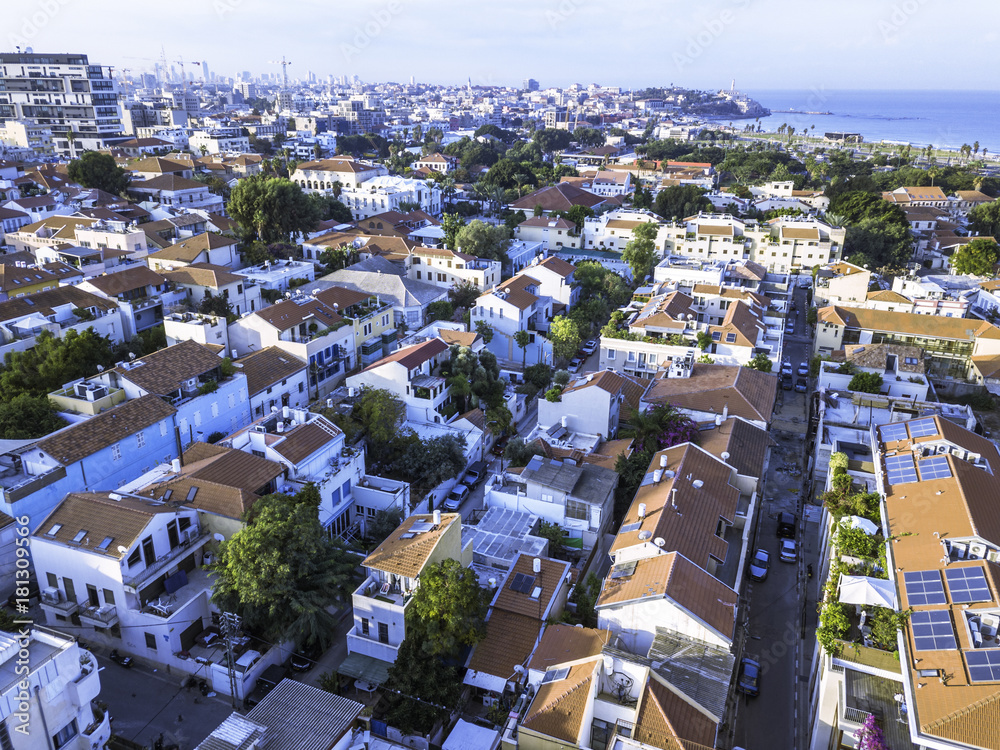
{"x": 900, "y": 469}
{"x": 922, "y": 427}
{"x": 984, "y": 665}
{"x": 934, "y": 468}
{"x": 924, "y": 587}
{"x": 893, "y": 432}
{"x": 967, "y": 585}
{"x": 932, "y": 631}
{"x": 522, "y": 583}
{"x": 630, "y": 527}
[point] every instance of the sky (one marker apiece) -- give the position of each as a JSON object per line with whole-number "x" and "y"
{"x": 702, "y": 44}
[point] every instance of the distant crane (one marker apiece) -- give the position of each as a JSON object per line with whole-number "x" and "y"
{"x": 284, "y": 71}
{"x": 125, "y": 80}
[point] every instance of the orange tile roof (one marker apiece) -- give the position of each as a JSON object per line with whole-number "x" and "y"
{"x": 565, "y": 644}
{"x": 407, "y": 557}
{"x": 559, "y": 707}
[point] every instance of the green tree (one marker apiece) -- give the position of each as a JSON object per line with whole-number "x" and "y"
{"x": 281, "y": 571}
{"x": 866, "y": 382}
{"x": 565, "y": 337}
{"x": 328, "y": 207}
{"x": 642, "y": 198}
{"x": 448, "y": 610}
{"x": 704, "y": 340}
{"x": 484, "y": 240}
{"x": 588, "y": 137}
{"x": 551, "y": 139}
{"x": 379, "y": 412}
{"x": 440, "y": 310}
{"x": 522, "y": 338}
{"x": 680, "y": 201}
{"x": 54, "y": 361}
{"x": 24, "y": 417}
{"x": 384, "y": 523}
{"x": 430, "y": 462}
{"x": 984, "y": 219}
{"x": 271, "y": 209}
{"x": 640, "y": 252}
{"x": 215, "y": 304}
{"x": 760, "y": 362}
{"x": 485, "y": 330}
{"x": 98, "y": 170}
{"x": 463, "y": 294}
{"x": 978, "y": 258}
{"x": 450, "y": 225}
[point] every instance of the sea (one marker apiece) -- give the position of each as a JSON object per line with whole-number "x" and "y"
{"x": 946, "y": 119}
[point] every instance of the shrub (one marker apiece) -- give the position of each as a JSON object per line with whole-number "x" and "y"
{"x": 866, "y": 382}
{"x": 215, "y": 437}
{"x": 838, "y": 461}
{"x": 553, "y": 394}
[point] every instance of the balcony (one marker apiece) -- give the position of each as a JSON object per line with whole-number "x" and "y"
{"x": 61, "y": 608}
{"x": 103, "y": 616}
{"x": 383, "y": 591}
{"x": 195, "y": 540}
{"x": 863, "y": 695}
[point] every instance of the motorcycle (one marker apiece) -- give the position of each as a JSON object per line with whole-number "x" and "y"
{"x": 809, "y": 570}
{"x": 121, "y": 659}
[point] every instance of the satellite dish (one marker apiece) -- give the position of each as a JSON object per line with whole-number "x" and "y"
{"x": 645, "y": 534}
{"x": 100, "y": 368}
{"x": 659, "y": 541}
{"x": 122, "y": 550}
{"x": 131, "y": 355}
{"x": 218, "y": 537}
{"x": 518, "y": 669}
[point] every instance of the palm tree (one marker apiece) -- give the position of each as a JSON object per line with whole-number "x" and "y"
{"x": 71, "y": 138}
{"x": 522, "y": 338}
{"x": 643, "y": 427}
{"x": 975, "y": 148}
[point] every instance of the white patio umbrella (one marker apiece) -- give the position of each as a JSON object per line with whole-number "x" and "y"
{"x": 864, "y": 524}
{"x": 865, "y": 591}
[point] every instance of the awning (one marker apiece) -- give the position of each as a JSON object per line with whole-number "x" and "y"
{"x": 571, "y": 541}
{"x": 485, "y": 681}
{"x": 367, "y": 668}
{"x": 864, "y": 524}
{"x": 866, "y": 591}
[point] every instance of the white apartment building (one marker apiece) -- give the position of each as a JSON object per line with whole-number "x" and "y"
{"x": 28, "y": 134}
{"x": 409, "y": 373}
{"x": 219, "y": 141}
{"x": 446, "y": 268}
{"x": 385, "y": 193}
{"x": 65, "y": 93}
{"x": 49, "y": 693}
{"x": 322, "y": 175}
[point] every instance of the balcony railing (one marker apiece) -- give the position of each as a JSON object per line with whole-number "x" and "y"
{"x": 103, "y": 616}
{"x": 855, "y": 715}
{"x": 163, "y": 563}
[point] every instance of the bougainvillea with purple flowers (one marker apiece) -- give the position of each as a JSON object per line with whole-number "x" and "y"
{"x": 870, "y": 736}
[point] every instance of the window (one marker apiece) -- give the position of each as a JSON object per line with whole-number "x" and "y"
{"x": 116, "y": 452}
{"x": 53, "y": 581}
{"x": 140, "y": 440}
{"x": 135, "y": 558}
{"x": 109, "y": 596}
{"x": 365, "y": 627}
{"x": 577, "y": 509}
{"x": 611, "y": 353}
{"x": 150, "y": 641}
{"x": 183, "y": 523}
{"x": 64, "y": 735}
{"x": 383, "y": 632}
{"x": 302, "y": 387}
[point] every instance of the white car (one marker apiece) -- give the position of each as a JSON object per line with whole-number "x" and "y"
{"x": 590, "y": 347}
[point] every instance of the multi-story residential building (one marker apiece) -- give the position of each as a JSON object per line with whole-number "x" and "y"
{"x": 374, "y": 328}
{"x": 437, "y": 163}
{"x": 56, "y": 310}
{"x": 446, "y": 268}
{"x": 516, "y": 305}
{"x": 210, "y": 395}
{"x": 390, "y": 193}
{"x": 305, "y": 327}
{"x": 578, "y": 498}
{"x": 141, "y": 295}
{"x": 392, "y": 574}
{"x": 50, "y": 695}
{"x": 918, "y": 196}
{"x": 207, "y": 247}
{"x": 937, "y": 294}
{"x": 157, "y": 166}
{"x": 409, "y": 373}
{"x": 219, "y": 140}
{"x": 613, "y": 230}
{"x": 933, "y": 683}
{"x": 592, "y": 404}
{"x": 554, "y": 279}
{"x": 20, "y": 280}
{"x": 278, "y": 275}
{"x": 12, "y": 220}
{"x": 275, "y": 379}
{"x": 204, "y": 280}
{"x": 170, "y": 191}
{"x": 900, "y": 367}
{"x": 325, "y": 174}
{"x": 79, "y": 230}
{"x": 560, "y": 197}
{"x": 65, "y": 93}
{"x": 843, "y": 284}
{"x": 949, "y": 344}
{"x": 28, "y": 134}
{"x": 711, "y": 302}
{"x": 550, "y": 233}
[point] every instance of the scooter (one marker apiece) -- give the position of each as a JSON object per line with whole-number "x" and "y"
{"x": 125, "y": 661}
{"x": 809, "y": 571}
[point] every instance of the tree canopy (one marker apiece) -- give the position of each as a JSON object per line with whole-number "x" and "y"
{"x": 640, "y": 252}
{"x": 271, "y": 209}
{"x": 680, "y": 201}
{"x": 985, "y": 219}
{"x": 97, "y": 170}
{"x": 484, "y": 240}
{"x": 565, "y": 337}
{"x": 552, "y": 139}
{"x": 281, "y": 571}
{"x": 978, "y": 258}
{"x": 25, "y": 417}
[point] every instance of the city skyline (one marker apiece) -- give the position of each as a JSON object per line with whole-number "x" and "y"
{"x": 557, "y": 42}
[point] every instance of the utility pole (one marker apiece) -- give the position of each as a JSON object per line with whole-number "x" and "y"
{"x": 230, "y": 629}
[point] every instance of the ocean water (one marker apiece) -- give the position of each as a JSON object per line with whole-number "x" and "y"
{"x": 941, "y": 118}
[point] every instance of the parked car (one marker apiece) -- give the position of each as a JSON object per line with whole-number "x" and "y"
{"x": 749, "y": 680}
{"x": 786, "y": 525}
{"x": 455, "y": 498}
{"x": 306, "y": 657}
{"x": 788, "y": 552}
{"x": 499, "y": 445}
{"x": 759, "y": 564}
{"x": 121, "y": 659}
{"x": 786, "y": 382}
{"x": 801, "y": 386}
{"x": 590, "y": 347}
{"x": 786, "y": 368}
{"x": 803, "y": 370}
{"x": 575, "y": 364}
{"x": 475, "y": 473}
{"x": 267, "y": 682}
{"x": 790, "y": 327}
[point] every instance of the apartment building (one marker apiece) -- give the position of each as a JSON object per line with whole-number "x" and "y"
{"x": 550, "y": 233}
{"x": 325, "y": 174}
{"x": 203, "y": 281}
{"x": 391, "y": 193}
{"x": 65, "y": 93}
{"x": 142, "y": 295}
{"x": 375, "y": 333}
{"x": 206, "y": 247}
{"x": 410, "y": 374}
{"x": 516, "y": 305}
{"x": 446, "y": 268}
{"x": 843, "y": 284}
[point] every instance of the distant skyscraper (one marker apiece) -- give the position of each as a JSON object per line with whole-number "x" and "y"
{"x": 412, "y": 81}
{"x": 529, "y": 84}
{"x": 204, "y": 72}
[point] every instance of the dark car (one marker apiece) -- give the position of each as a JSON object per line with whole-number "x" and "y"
{"x": 267, "y": 682}
{"x": 475, "y": 473}
{"x": 759, "y": 564}
{"x": 749, "y": 680}
{"x": 786, "y": 525}
{"x": 786, "y": 382}
{"x": 801, "y": 386}
{"x": 306, "y": 657}
{"x": 499, "y": 445}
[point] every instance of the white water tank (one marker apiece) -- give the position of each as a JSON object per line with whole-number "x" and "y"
{"x": 175, "y": 466}
{"x": 657, "y": 476}
{"x": 286, "y": 412}
{"x": 281, "y": 427}
{"x": 437, "y": 517}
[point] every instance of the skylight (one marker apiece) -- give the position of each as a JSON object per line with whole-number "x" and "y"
{"x": 105, "y": 543}
{"x": 80, "y": 535}
{"x": 54, "y": 530}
